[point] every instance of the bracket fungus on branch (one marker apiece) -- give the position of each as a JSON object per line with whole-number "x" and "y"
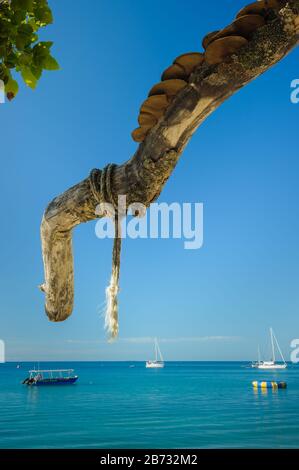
{"x": 218, "y": 50}
{"x": 234, "y": 57}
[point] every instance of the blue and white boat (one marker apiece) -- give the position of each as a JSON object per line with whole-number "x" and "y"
{"x": 51, "y": 377}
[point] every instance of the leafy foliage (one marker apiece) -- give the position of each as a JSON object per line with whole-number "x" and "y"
{"x": 20, "y": 49}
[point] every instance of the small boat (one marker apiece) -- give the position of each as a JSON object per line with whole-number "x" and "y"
{"x": 50, "y": 377}
{"x": 158, "y": 362}
{"x": 259, "y": 364}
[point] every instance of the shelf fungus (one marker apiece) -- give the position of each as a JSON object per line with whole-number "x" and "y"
{"x": 175, "y": 71}
{"x": 140, "y": 133}
{"x": 209, "y": 38}
{"x": 190, "y": 61}
{"x": 152, "y": 109}
{"x": 194, "y": 86}
{"x": 261, "y": 7}
{"x": 220, "y": 49}
{"x": 219, "y": 46}
{"x": 170, "y": 88}
{"x": 147, "y": 119}
{"x": 244, "y": 26}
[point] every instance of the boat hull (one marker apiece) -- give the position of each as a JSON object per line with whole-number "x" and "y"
{"x": 154, "y": 365}
{"x": 272, "y": 367}
{"x": 58, "y": 381}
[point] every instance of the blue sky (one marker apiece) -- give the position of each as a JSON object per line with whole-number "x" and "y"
{"x": 214, "y": 303}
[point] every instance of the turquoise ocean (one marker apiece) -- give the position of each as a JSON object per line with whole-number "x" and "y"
{"x": 125, "y": 405}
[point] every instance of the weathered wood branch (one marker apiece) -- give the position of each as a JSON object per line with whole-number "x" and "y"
{"x": 143, "y": 177}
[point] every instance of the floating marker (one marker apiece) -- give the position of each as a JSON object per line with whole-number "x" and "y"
{"x": 267, "y": 384}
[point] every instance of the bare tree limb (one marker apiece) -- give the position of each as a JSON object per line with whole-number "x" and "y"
{"x": 143, "y": 177}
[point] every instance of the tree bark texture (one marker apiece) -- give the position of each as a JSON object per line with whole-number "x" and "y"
{"x": 143, "y": 177}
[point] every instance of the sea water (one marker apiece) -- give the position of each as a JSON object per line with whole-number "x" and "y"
{"x": 125, "y": 405}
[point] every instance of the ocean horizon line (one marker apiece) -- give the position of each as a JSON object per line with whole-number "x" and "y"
{"x": 125, "y": 361}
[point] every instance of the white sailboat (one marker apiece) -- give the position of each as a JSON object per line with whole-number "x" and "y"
{"x": 158, "y": 362}
{"x": 271, "y": 364}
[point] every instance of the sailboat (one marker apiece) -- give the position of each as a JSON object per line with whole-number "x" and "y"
{"x": 271, "y": 364}
{"x": 158, "y": 362}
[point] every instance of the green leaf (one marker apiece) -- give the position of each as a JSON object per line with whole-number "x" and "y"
{"x": 37, "y": 71}
{"x": 5, "y": 28}
{"x": 41, "y": 53}
{"x": 2, "y": 51}
{"x": 20, "y": 42}
{"x": 33, "y": 24}
{"x": 34, "y": 37}
{"x": 47, "y": 44}
{"x": 51, "y": 64}
{"x": 4, "y": 73}
{"x": 43, "y": 14}
{"x": 12, "y": 86}
{"x": 25, "y": 29}
{"x": 11, "y": 60}
{"x": 24, "y": 36}
{"x": 20, "y": 21}
{"x": 28, "y": 77}
{"x": 25, "y": 58}
{"x": 18, "y": 17}
{"x": 22, "y": 4}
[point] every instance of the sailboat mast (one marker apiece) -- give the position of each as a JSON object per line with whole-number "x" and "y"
{"x": 272, "y": 344}
{"x": 156, "y": 350}
{"x": 258, "y": 354}
{"x": 159, "y": 351}
{"x": 278, "y": 347}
